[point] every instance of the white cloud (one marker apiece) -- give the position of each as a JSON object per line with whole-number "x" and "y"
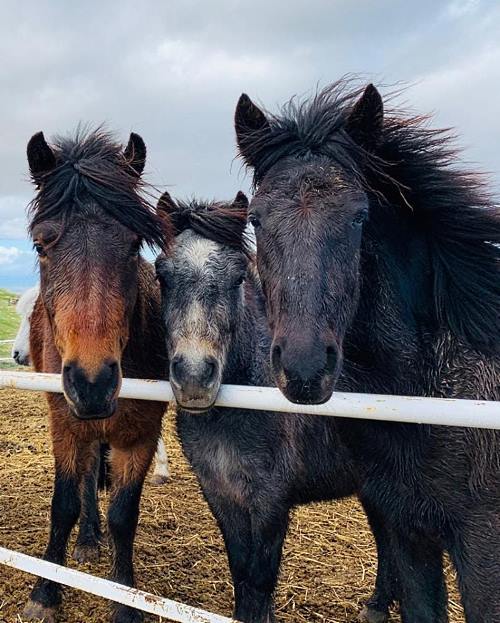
{"x": 476, "y": 69}
{"x": 173, "y": 71}
{"x": 18, "y": 268}
{"x": 193, "y": 66}
{"x": 13, "y": 220}
{"x": 460, "y": 8}
{"x": 9, "y": 255}
{"x": 460, "y": 94}
{"x": 189, "y": 60}
{"x": 14, "y": 228}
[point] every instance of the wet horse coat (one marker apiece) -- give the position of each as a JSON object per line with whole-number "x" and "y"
{"x": 253, "y": 466}
{"x": 380, "y": 264}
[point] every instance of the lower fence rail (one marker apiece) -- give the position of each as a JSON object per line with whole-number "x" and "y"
{"x": 132, "y": 597}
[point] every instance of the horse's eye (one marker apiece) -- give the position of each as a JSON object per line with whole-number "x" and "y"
{"x": 239, "y": 281}
{"x": 39, "y": 249}
{"x": 360, "y": 217}
{"x": 254, "y": 221}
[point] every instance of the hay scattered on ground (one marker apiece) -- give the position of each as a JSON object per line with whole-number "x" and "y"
{"x": 329, "y": 560}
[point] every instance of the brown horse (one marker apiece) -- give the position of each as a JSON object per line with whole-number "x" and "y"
{"x": 98, "y": 316}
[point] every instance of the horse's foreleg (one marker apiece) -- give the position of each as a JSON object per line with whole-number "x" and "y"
{"x": 235, "y": 525}
{"x": 423, "y": 597}
{"x": 89, "y": 533}
{"x": 69, "y": 459}
{"x": 254, "y": 542}
{"x": 475, "y": 554}
{"x": 128, "y": 470}
{"x": 254, "y": 596}
{"x": 387, "y": 589}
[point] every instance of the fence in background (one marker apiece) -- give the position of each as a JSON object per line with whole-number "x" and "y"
{"x": 6, "y": 359}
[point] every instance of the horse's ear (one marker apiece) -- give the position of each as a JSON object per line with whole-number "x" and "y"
{"x": 166, "y": 204}
{"x": 168, "y": 210}
{"x": 135, "y": 154}
{"x": 240, "y": 202}
{"x": 250, "y": 123}
{"x": 41, "y": 158}
{"x": 238, "y": 217}
{"x": 366, "y": 119}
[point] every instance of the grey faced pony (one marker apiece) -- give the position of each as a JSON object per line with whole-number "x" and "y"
{"x": 253, "y": 466}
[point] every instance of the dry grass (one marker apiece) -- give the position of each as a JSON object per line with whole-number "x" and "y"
{"x": 329, "y": 562}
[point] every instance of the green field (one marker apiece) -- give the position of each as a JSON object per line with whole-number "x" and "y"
{"x": 9, "y": 322}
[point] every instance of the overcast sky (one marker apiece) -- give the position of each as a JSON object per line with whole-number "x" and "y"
{"x": 173, "y": 71}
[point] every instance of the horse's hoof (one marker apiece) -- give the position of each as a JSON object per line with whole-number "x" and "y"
{"x": 370, "y": 615}
{"x": 86, "y": 553}
{"x": 124, "y": 614}
{"x": 34, "y": 611}
{"x": 159, "y": 479}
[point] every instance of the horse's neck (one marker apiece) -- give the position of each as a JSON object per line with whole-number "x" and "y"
{"x": 248, "y": 357}
{"x": 385, "y": 343}
{"x": 145, "y": 355}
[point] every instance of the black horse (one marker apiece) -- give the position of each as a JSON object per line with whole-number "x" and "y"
{"x": 253, "y": 466}
{"x": 380, "y": 264}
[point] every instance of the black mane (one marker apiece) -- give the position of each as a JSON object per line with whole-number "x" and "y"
{"x": 219, "y": 221}
{"x": 411, "y": 173}
{"x": 91, "y": 165}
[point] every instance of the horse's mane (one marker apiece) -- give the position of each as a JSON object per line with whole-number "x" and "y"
{"x": 412, "y": 170}
{"x": 219, "y": 221}
{"x": 91, "y": 165}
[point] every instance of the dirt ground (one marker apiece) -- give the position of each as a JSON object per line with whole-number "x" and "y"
{"x": 329, "y": 560}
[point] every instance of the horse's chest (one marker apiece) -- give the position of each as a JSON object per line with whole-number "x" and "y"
{"x": 219, "y": 463}
{"x": 225, "y": 469}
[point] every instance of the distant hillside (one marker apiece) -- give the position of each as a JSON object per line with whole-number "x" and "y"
{"x": 9, "y": 320}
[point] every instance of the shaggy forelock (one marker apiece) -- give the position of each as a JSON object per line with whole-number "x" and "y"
{"x": 91, "y": 166}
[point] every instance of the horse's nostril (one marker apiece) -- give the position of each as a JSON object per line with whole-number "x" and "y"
{"x": 113, "y": 370}
{"x": 91, "y": 396}
{"x": 209, "y": 372}
{"x": 68, "y": 372}
{"x": 276, "y": 357}
{"x": 332, "y": 356}
{"x": 176, "y": 369}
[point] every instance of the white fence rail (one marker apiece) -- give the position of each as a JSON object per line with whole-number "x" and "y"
{"x": 133, "y": 597}
{"x": 474, "y": 413}
{"x": 409, "y": 409}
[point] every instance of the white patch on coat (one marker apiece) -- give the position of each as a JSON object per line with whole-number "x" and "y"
{"x": 194, "y": 316}
{"x": 161, "y": 472}
{"x": 198, "y": 251}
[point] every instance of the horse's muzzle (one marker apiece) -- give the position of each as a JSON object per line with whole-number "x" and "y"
{"x": 195, "y": 383}
{"x": 91, "y": 399}
{"x": 306, "y": 375}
